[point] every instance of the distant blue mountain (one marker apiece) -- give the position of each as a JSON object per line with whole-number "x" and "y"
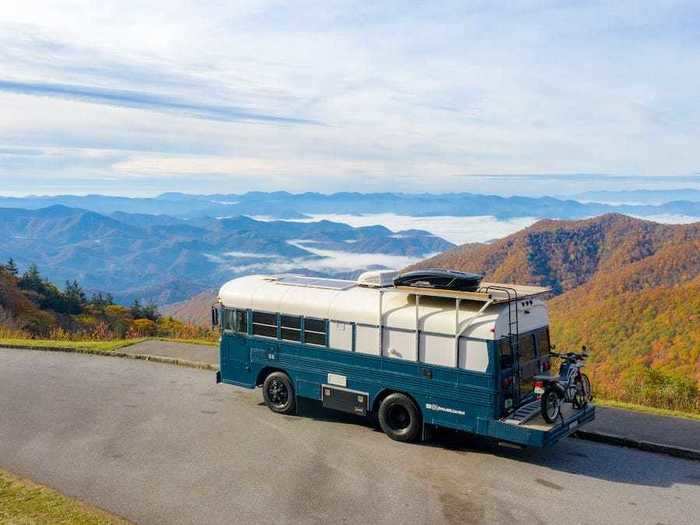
{"x": 640, "y": 196}
{"x": 167, "y": 259}
{"x": 284, "y": 205}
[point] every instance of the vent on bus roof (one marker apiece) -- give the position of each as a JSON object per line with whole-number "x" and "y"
{"x": 315, "y": 282}
{"x": 377, "y": 278}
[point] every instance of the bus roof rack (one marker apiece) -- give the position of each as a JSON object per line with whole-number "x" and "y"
{"x": 494, "y": 292}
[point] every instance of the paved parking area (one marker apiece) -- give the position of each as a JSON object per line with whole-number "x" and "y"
{"x": 668, "y": 431}
{"x": 162, "y": 444}
{"x": 198, "y": 353}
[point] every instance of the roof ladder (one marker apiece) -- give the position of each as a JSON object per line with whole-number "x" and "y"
{"x": 513, "y": 328}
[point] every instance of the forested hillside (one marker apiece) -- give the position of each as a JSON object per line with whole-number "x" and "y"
{"x": 32, "y": 306}
{"x": 627, "y": 288}
{"x": 164, "y": 259}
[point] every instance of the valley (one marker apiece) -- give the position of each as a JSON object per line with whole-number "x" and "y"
{"x": 627, "y": 288}
{"x": 165, "y": 259}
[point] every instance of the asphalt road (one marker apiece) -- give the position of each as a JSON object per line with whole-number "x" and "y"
{"x": 670, "y": 431}
{"x": 199, "y": 353}
{"x": 163, "y": 444}
{"x": 636, "y": 426}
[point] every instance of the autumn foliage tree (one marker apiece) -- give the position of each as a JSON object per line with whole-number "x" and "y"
{"x": 629, "y": 289}
{"x": 30, "y": 305}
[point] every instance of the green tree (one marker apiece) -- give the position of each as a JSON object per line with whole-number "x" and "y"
{"x": 101, "y": 301}
{"x": 73, "y": 298}
{"x": 31, "y": 279}
{"x": 11, "y": 267}
{"x": 136, "y": 309}
{"x": 150, "y": 312}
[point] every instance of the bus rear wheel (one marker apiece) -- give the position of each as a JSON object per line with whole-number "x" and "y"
{"x": 399, "y": 418}
{"x": 278, "y": 393}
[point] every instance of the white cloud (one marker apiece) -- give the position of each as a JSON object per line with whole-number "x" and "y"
{"x": 410, "y": 95}
{"x": 668, "y": 218}
{"x": 458, "y": 230}
{"x": 326, "y": 261}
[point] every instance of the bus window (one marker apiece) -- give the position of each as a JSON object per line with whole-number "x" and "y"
{"x": 265, "y": 324}
{"x": 315, "y": 331}
{"x": 527, "y": 347}
{"x": 242, "y": 321}
{"x": 506, "y": 354}
{"x": 543, "y": 341}
{"x": 290, "y": 328}
{"x": 229, "y": 320}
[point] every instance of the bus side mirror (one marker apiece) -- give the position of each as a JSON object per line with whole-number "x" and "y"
{"x": 214, "y": 316}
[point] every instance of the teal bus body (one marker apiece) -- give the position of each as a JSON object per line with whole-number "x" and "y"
{"x": 448, "y": 397}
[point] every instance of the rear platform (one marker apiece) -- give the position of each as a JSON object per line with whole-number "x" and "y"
{"x": 536, "y": 432}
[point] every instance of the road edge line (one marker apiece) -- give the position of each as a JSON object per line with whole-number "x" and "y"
{"x": 647, "y": 446}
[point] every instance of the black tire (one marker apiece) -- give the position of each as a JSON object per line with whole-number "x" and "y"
{"x": 400, "y": 418}
{"x": 580, "y": 400}
{"x": 588, "y": 390}
{"x": 551, "y": 405}
{"x": 278, "y": 393}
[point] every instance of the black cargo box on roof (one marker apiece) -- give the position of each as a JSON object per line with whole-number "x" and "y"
{"x": 440, "y": 279}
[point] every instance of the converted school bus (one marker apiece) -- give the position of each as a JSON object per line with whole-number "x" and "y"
{"x": 412, "y": 356}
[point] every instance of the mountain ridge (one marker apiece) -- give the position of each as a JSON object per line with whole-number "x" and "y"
{"x": 287, "y": 205}
{"x": 166, "y": 259}
{"x": 565, "y": 254}
{"x": 628, "y": 289}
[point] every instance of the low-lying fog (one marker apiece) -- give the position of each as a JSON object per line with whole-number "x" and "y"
{"x": 459, "y": 230}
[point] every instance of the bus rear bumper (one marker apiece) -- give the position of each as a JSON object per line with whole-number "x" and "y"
{"x": 540, "y": 434}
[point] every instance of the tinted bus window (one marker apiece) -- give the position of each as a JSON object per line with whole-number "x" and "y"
{"x": 242, "y": 321}
{"x": 264, "y": 318}
{"x": 314, "y": 325}
{"x": 543, "y": 341}
{"x": 290, "y": 328}
{"x": 315, "y": 332}
{"x": 527, "y": 347}
{"x": 506, "y": 354}
{"x": 264, "y": 324}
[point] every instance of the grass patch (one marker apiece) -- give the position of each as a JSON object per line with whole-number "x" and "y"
{"x": 23, "y": 502}
{"x": 99, "y": 346}
{"x": 647, "y": 409}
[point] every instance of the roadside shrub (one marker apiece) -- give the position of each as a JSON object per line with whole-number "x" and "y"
{"x": 653, "y": 387}
{"x": 143, "y": 328}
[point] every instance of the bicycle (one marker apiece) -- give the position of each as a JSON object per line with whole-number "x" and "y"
{"x": 570, "y": 386}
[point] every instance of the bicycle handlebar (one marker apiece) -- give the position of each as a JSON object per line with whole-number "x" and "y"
{"x": 570, "y": 355}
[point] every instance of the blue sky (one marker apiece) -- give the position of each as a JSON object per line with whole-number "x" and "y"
{"x": 510, "y": 97}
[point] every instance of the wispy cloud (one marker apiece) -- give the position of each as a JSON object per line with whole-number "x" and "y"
{"x": 408, "y": 95}
{"x": 147, "y": 101}
{"x": 21, "y": 152}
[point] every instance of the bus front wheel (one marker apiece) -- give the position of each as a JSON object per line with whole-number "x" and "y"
{"x": 399, "y": 418}
{"x": 278, "y": 393}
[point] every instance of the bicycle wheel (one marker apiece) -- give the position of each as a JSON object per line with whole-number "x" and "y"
{"x": 551, "y": 405}
{"x": 588, "y": 391}
{"x": 580, "y": 399}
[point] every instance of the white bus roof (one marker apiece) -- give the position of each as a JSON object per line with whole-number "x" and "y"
{"x": 347, "y": 301}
